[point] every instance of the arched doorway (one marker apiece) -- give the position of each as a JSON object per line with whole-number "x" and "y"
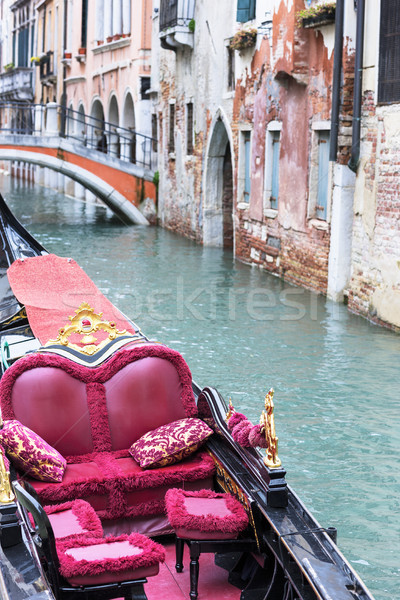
{"x": 113, "y": 135}
{"x": 218, "y": 202}
{"x": 96, "y": 137}
{"x": 128, "y": 122}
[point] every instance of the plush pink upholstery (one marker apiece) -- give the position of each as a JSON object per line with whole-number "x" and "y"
{"x": 74, "y": 519}
{"x": 94, "y": 561}
{"x": 92, "y": 415}
{"x": 205, "y": 515}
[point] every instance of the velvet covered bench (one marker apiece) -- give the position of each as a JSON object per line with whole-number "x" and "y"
{"x": 93, "y": 419}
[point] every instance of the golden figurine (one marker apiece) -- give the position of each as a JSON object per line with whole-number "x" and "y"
{"x": 6, "y": 493}
{"x": 267, "y": 423}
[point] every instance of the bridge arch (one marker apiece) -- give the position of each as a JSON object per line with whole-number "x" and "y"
{"x": 85, "y": 171}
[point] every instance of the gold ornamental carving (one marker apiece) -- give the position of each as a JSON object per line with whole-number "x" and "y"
{"x": 6, "y": 493}
{"x": 229, "y": 485}
{"x": 267, "y": 423}
{"x": 85, "y": 323}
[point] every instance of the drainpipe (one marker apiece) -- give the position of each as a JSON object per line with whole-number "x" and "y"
{"x": 357, "y": 98}
{"x": 336, "y": 79}
{"x": 64, "y": 88}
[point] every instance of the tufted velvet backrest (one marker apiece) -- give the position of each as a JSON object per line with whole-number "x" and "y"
{"x": 79, "y": 409}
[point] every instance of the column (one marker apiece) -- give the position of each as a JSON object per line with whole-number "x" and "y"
{"x": 51, "y": 119}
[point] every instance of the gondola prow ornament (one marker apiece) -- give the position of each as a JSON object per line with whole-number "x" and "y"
{"x": 263, "y": 435}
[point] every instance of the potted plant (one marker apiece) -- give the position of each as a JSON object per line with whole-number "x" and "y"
{"x": 9, "y": 66}
{"x": 109, "y": 39}
{"x": 67, "y": 55}
{"x": 317, "y": 15}
{"x": 244, "y": 38}
{"x": 82, "y": 51}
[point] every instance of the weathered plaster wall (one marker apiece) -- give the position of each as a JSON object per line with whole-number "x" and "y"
{"x": 288, "y": 83}
{"x": 197, "y": 76}
{"x": 375, "y": 282}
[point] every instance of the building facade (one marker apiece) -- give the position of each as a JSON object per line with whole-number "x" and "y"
{"x": 107, "y": 72}
{"x": 256, "y": 104}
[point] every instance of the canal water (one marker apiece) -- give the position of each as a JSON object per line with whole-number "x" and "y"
{"x": 336, "y": 376}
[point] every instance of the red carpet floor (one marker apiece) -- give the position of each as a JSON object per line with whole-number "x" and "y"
{"x": 170, "y": 585}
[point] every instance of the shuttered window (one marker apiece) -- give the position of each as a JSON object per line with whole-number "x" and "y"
{"x": 84, "y": 23}
{"x": 389, "y": 52}
{"x": 171, "y": 137}
{"x": 247, "y": 155}
{"x": 189, "y": 128}
{"x": 246, "y": 10}
{"x": 276, "y": 144}
{"x": 323, "y": 174}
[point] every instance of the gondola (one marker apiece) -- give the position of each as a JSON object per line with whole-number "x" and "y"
{"x": 280, "y": 552}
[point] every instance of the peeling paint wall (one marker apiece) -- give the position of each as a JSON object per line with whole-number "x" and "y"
{"x": 375, "y": 283}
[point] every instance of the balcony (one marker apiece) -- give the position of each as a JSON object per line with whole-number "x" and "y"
{"x": 176, "y": 23}
{"x": 17, "y": 85}
{"x": 47, "y": 75}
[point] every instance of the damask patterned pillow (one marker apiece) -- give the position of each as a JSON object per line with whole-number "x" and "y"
{"x": 170, "y": 443}
{"x": 31, "y": 454}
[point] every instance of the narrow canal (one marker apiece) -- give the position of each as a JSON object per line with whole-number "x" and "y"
{"x": 336, "y": 377}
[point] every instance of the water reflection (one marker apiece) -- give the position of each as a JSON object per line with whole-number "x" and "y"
{"x": 335, "y": 376}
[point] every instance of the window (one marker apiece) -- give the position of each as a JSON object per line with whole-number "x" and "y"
{"x": 144, "y": 88}
{"x": 247, "y": 157}
{"x": 246, "y": 10}
{"x": 389, "y": 52}
{"x": 154, "y": 132}
{"x": 84, "y": 23}
{"x": 230, "y": 84}
{"x": 272, "y": 153}
{"x": 189, "y": 128}
{"x": 323, "y": 175}
{"x": 171, "y": 137}
{"x": 319, "y": 183}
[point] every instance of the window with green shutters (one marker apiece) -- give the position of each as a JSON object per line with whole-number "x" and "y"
{"x": 246, "y": 10}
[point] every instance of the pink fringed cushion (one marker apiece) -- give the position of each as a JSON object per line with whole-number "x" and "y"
{"x": 73, "y": 519}
{"x": 95, "y": 560}
{"x": 31, "y": 454}
{"x": 170, "y": 443}
{"x": 205, "y": 514}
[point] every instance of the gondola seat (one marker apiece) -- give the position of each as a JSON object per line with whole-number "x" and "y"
{"x": 207, "y": 522}
{"x": 93, "y": 415}
{"x": 91, "y": 566}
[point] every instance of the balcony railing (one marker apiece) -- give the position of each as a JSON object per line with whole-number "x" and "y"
{"x": 176, "y": 20}
{"x": 176, "y": 12}
{"x": 17, "y": 84}
{"x": 85, "y": 130}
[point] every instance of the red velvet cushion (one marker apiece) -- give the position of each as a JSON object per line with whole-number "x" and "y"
{"x": 73, "y": 519}
{"x": 205, "y": 514}
{"x": 170, "y": 443}
{"x": 92, "y": 561}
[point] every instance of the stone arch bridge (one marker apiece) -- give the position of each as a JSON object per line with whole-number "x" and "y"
{"x": 117, "y": 165}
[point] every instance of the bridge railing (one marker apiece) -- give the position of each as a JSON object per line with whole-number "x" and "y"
{"x": 52, "y": 119}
